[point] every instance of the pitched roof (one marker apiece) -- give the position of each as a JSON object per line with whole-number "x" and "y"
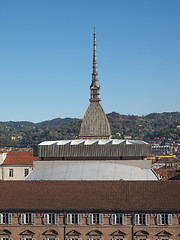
{"x": 90, "y": 195}
{"x": 19, "y": 157}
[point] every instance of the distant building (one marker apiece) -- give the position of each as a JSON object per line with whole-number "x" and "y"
{"x": 156, "y": 149}
{"x": 16, "y": 165}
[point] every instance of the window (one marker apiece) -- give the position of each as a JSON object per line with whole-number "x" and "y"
{"x": 11, "y": 173}
{"x": 28, "y": 238}
{"x": 28, "y": 218}
{"x": 74, "y": 238}
{"x": 51, "y": 239}
{"x": 164, "y": 239}
{"x": 51, "y": 218}
{"x": 95, "y": 218}
{"x": 164, "y": 219}
{"x": 118, "y": 218}
{"x": 6, "y": 238}
{"x": 26, "y": 172}
{"x": 74, "y": 218}
{"x": 143, "y": 239}
{"x": 142, "y": 219}
{"x": 5, "y": 218}
{"x": 95, "y": 239}
{"x": 120, "y": 239}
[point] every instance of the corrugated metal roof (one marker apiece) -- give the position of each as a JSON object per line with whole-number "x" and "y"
{"x": 92, "y": 142}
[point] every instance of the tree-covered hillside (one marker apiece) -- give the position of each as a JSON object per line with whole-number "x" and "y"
{"x": 22, "y": 134}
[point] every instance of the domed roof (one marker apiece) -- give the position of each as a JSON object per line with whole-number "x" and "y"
{"x": 91, "y": 170}
{"x": 95, "y": 123}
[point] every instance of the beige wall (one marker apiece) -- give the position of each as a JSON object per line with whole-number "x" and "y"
{"x": 18, "y": 171}
{"x": 107, "y": 229}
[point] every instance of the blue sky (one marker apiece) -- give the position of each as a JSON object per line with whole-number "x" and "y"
{"x": 46, "y": 57}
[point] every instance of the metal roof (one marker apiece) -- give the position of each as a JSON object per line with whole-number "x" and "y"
{"x": 92, "y": 170}
{"x": 92, "y": 142}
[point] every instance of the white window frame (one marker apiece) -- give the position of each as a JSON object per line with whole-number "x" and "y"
{"x": 4, "y": 216}
{"x": 138, "y": 219}
{"x": 119, "y": 219}
{"x": 74, "y": 218}
{"x": 49, "y": 216}
{"x": 31, "y": 218}
{"x": 159, "y": 219}
{"x": 95, "y": 218}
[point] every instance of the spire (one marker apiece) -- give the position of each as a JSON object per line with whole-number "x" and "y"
{"x": 95, "y": 87}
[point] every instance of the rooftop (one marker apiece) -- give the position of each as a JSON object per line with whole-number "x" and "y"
{"x": 20, "y": 157}
{"x": 91, "y": 170}
{"x": 90, "y": 195}
{"x": 93, "y": 142}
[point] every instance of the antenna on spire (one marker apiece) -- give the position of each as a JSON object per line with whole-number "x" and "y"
{"x": 95, "y": 87}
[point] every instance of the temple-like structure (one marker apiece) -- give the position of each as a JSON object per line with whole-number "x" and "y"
{"x": 95, "y": 124}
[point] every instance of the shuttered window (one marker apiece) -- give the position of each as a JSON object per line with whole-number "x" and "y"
{"x": 28, "y": 218}
{"x": 142, "y": 219}
{"x": 74, "y": 239}
{"x": 5, "y": 218}
{"x": 118, "y": 218}
{"x": 51, "y": 218}
{"x": 95, "y": 238}
{"x": 28, "y": 238}
{"x": 95, "y": 218}
{"x": 5, "y": 238}
{"x": 143, "y": 239}
{"x": 74, "y": 218}
{"x": 119, "y": 239}
{"x": 164, "y": 219}
{"x": 51, "y": 239}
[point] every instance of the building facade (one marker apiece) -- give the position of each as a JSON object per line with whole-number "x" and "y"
{"x": 16, "y": 165}
{"x": 112, "y": 210}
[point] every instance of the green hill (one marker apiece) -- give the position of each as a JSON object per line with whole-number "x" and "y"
{"x": 22, "y": 134}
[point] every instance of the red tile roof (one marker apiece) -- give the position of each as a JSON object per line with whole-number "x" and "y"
{"x": 162, "y": 172}
{"x": 90, "y": 195}
{"x": 20, "y": 157}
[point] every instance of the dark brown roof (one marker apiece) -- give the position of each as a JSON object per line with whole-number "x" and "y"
{"x": 20, "y": 157}
{"x": 173, "y": 173}
{"x": 90, "y": 195}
